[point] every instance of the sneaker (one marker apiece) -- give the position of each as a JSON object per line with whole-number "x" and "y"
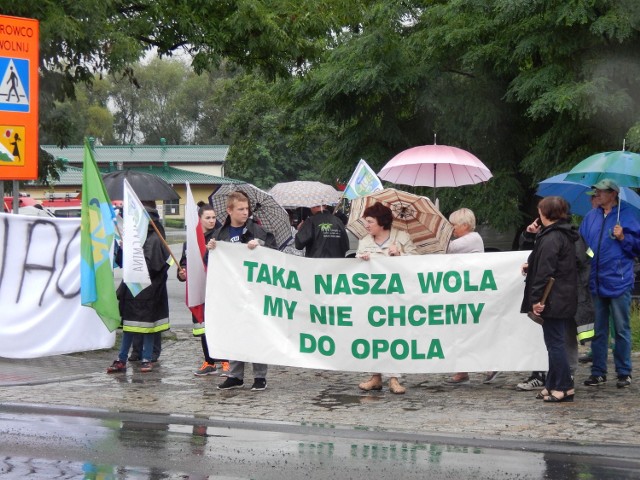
{"x": 490, "y": 377}
{"x": 146, "y": 367}
{"x": 531, "y": 383}
{"x": 623, "y": 381}
{"x": 223, "y": 369}
{"x": 117, "y": 366}
{"x": 595, "y": 380}
{"x": 205, "y": 369}
{"x": 259, "y": 384}
{"x": 586, "y": 358}
{"x": 231, "y": 382}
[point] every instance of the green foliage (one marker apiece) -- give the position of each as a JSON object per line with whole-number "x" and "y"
{"x": 305, "y": 89}
{"x": 174, "y": 222}
{"x": 82, "y": 39}
{"x": 271, "y": 140}
{"x": 49, "y": 168}
{"x": 633, "y": 137}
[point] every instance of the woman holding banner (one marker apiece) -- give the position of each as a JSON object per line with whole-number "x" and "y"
{"x": 466, "y": 240}
{"x": 553, "y": 257}
{"x": 383, "y": 240}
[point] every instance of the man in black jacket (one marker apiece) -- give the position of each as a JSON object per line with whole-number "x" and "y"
{"x": 322, "y": 234}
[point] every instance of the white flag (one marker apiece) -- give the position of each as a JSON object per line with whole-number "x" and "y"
{"x": 363, "y": 182}
{"x": 136, "y": 222}
{"x": 196, "y": 276}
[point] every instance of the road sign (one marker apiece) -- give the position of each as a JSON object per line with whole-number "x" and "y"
{"x": 19, "y": 57}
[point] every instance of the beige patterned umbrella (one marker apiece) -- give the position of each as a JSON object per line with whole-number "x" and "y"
{"x": 304, "y": 194}
{"x": 429, "y": 229}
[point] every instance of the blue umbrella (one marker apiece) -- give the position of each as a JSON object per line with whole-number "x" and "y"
{"x": 576, "y": 193}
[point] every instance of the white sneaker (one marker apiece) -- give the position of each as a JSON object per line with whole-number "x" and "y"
{"x": 534, "y": 381}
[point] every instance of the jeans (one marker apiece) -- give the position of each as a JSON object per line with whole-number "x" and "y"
{"x": 619, "y": 310}
{"x": 157, "y": 345}
{"x": 127, "y": 341}
{"x": 571, "y": 344}
{"x": 559, "y": 375}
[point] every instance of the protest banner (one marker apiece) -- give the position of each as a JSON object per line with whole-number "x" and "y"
{"x": 40, "y": 290}
{"x": 409, "y": 314}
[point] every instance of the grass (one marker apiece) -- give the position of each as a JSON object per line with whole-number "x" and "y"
{"x": 174, "y": 222}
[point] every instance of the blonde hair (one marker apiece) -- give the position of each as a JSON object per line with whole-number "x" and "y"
{"x": 464, "y": 216}
{"x": 236, "y": 197}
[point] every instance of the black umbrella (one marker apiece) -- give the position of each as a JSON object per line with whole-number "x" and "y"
{"x": 146, "y": 185}
{"x": 264, "y": 209}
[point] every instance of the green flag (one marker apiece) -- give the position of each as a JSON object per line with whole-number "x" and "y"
{"x": 97, "y": 288}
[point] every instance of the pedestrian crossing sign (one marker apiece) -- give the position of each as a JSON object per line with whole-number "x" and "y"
{"x": 12, "y": 142}
{"x": 19, "y": 60}
{"x": 14, "y": 89}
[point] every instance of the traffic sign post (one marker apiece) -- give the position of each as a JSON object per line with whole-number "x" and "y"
{"x": 19, "y": 58}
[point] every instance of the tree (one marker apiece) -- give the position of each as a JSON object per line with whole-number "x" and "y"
{"x": 569, "y": 72}
{"x": 86, "y": 115}
{"x": 271, "y": 140}
{"x": 529, "y": 87}
{"x": 159, "y": 101}
{"x": 83, "y": 39}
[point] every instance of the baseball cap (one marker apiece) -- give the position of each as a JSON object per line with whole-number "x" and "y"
{"x": 606, "y": 184}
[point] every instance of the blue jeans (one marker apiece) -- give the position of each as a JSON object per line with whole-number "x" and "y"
{"x": 127, "y": 340}
{"x": 618, "y": 309}
{"x": 559, "y": 374}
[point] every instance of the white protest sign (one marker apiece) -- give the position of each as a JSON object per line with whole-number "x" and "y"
{"x": 40, "y": 290}
{"x": 410, "y": 314}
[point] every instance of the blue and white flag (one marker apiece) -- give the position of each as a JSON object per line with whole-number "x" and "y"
{"x": 363, "y": 182}
{"x": 136, "y": 223}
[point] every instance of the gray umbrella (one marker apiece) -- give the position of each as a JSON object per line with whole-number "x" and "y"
{"x": 146, "y": 185}
{"x": 264, "y": 209}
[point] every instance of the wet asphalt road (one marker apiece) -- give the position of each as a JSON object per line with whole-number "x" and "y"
{"x": 40, "y": 442}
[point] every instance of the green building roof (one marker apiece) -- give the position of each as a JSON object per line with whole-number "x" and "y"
{"x": 143, "y": 154}
{"x": 72, "y": 176}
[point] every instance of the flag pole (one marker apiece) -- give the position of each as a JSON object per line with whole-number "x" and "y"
{"x": 164, "y": 242}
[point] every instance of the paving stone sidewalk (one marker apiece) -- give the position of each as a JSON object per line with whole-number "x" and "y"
{"x": 603, "y": 414}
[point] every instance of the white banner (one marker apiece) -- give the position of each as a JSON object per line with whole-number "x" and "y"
{"x": 411, "y": 314}
{"x": 136, "y": 223}
{"x": 40, "y": 290}
{"x": 196, "y": 273}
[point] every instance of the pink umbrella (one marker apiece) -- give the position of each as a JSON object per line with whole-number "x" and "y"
{"x": 435, "y": 166}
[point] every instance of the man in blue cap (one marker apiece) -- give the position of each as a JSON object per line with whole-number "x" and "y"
{"x": 612, "y": 234}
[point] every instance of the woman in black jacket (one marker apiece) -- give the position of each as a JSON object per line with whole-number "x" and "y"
{"x": 209, "y": 224}
{"x": 553, "y": 256}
